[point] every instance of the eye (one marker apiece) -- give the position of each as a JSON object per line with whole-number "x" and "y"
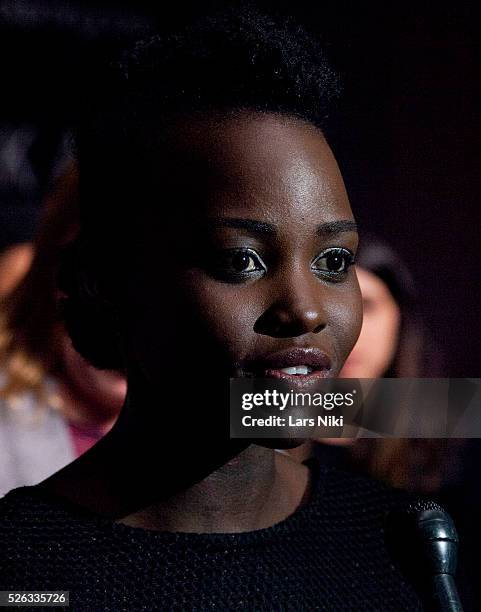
{"x": 245, "y": 261}
{"x": 333, "y": 263}
{"x": 237, "y": 265}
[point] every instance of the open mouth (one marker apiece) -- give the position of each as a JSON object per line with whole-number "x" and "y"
{"x": 300, "y": 372}
{"x": 295, "y": 364}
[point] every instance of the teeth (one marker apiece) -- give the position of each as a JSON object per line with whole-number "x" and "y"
{"x": 300, "y": 369}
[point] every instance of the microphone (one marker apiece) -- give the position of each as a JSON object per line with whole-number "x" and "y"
{"x": 424, "y": 539}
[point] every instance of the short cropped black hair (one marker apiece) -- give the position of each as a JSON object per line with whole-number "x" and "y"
{"x": 235, "y": 60}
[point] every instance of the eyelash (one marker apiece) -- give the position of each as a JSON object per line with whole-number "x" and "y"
{"x": 222, "y": 270}
{"x": 242, "y": 275}
{"x": 348, "y": 261}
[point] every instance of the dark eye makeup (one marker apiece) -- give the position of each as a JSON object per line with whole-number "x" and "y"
{"x": 236, "y": 265}
{"x": 243, "y": 264}
{"x": 333, "y": 263}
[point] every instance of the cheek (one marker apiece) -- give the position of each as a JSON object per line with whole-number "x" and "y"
{"x": 223, "y": 313}
{"x": 225, "y": 310}
{"x": 212, "y": 320}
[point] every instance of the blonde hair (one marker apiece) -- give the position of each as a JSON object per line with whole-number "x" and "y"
{"x": 29, "y": 320}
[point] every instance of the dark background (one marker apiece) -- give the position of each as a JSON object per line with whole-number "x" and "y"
{"x": 407, "y": 133}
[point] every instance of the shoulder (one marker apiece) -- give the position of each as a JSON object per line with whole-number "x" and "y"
{"x": 345, "y": 524}
{"x": 37, "y": 538}
{"x": 47, "y": 544}
{"x": 26, "y": 515}
{"x": 340, "y": 486}
{"x": 30, "y": 511}
{"x": 356, "y": 509}
{"x": 17, "y": 520}
{"x": 361, "y": 488}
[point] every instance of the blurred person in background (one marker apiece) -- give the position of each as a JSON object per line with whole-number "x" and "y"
{"x": 390, "y": 343}
{"x": 53, "y": 405}
{"x": 19, "y": 201}
{"x": 15, "y": 261}
{"x": 393, "y": 344}
{"x": 33, "y": 158}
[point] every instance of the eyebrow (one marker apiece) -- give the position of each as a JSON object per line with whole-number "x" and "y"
{"x": 257, "y": 227}
{"x": 336, "y": 227}
{"x": 330, "y": 228}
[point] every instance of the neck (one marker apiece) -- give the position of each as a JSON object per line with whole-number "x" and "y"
{"x": 256, "y": 489}
{"x": 198, "y": 479}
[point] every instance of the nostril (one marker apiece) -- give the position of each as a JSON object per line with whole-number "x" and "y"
{"x": 317, "y": 329}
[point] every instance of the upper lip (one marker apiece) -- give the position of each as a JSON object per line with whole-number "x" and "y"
{"x": 312, "y": 357}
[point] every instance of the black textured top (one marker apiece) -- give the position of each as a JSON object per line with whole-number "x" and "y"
{"x": 329, "y": 555}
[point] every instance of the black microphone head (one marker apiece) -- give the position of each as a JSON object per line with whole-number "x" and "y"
{"x": 419, "y": 505}
{"x": 422, "y": 540}
{"x": 432, "y": 531}
{"x": 432, "y": 521}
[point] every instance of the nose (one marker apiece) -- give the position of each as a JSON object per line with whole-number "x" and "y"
{"x": 295, "y": 307}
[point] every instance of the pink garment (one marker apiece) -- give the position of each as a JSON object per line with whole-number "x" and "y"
{"x": 84, "y": 436}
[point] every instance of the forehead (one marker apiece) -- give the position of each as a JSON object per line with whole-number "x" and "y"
{"x": 257, "y": 164}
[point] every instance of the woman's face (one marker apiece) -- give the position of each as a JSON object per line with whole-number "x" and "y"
{"x": 376, "y": 346}
{"x": 246, "y": 255}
